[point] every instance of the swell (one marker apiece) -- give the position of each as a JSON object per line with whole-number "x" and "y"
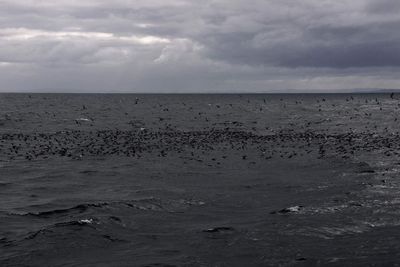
{"x": 145, "y": 204}
{"x": 80, "y": 208}
{"x": 81, "y": 229}
{"x": 80, "y": 223}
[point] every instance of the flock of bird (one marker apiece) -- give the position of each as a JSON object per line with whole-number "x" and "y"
{"x": 297, "y": 136}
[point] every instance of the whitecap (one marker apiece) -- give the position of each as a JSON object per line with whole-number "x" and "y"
{"x": 83, "y": 119}
{"x": 86, "y": 221}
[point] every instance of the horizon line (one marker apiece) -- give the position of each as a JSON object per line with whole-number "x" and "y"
{"x": 287, "y": 91}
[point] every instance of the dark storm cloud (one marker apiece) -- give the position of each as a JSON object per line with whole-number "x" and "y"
{"x": 351, "y": 46}
{"x": 384, "y": 6}
{"x": 374, "y": 42}
{"x": 254, "y": 44}
{"x": 324, "y": 46}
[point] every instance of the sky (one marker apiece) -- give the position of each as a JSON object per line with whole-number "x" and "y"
{"x": 192, "y": 46}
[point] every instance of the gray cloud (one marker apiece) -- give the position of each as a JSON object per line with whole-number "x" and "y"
{"x": 197, "y": 46}
{"x": 383, "y": 6}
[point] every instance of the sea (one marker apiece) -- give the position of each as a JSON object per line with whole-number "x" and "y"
{"x": 199, "y": 180}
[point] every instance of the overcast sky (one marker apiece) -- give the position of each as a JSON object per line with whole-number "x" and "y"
{"x": 198, "y": 46}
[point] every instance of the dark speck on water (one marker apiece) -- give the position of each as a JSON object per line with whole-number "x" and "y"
{"x": 199, "y": 180}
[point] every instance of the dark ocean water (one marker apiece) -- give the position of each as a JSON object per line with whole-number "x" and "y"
{"x": 199, "y": 180}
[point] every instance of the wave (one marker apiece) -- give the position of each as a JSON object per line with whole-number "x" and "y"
{"x": 82, "y": 223}
{"x": 79, "y": 208}
{"x": 145, "y": 204}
